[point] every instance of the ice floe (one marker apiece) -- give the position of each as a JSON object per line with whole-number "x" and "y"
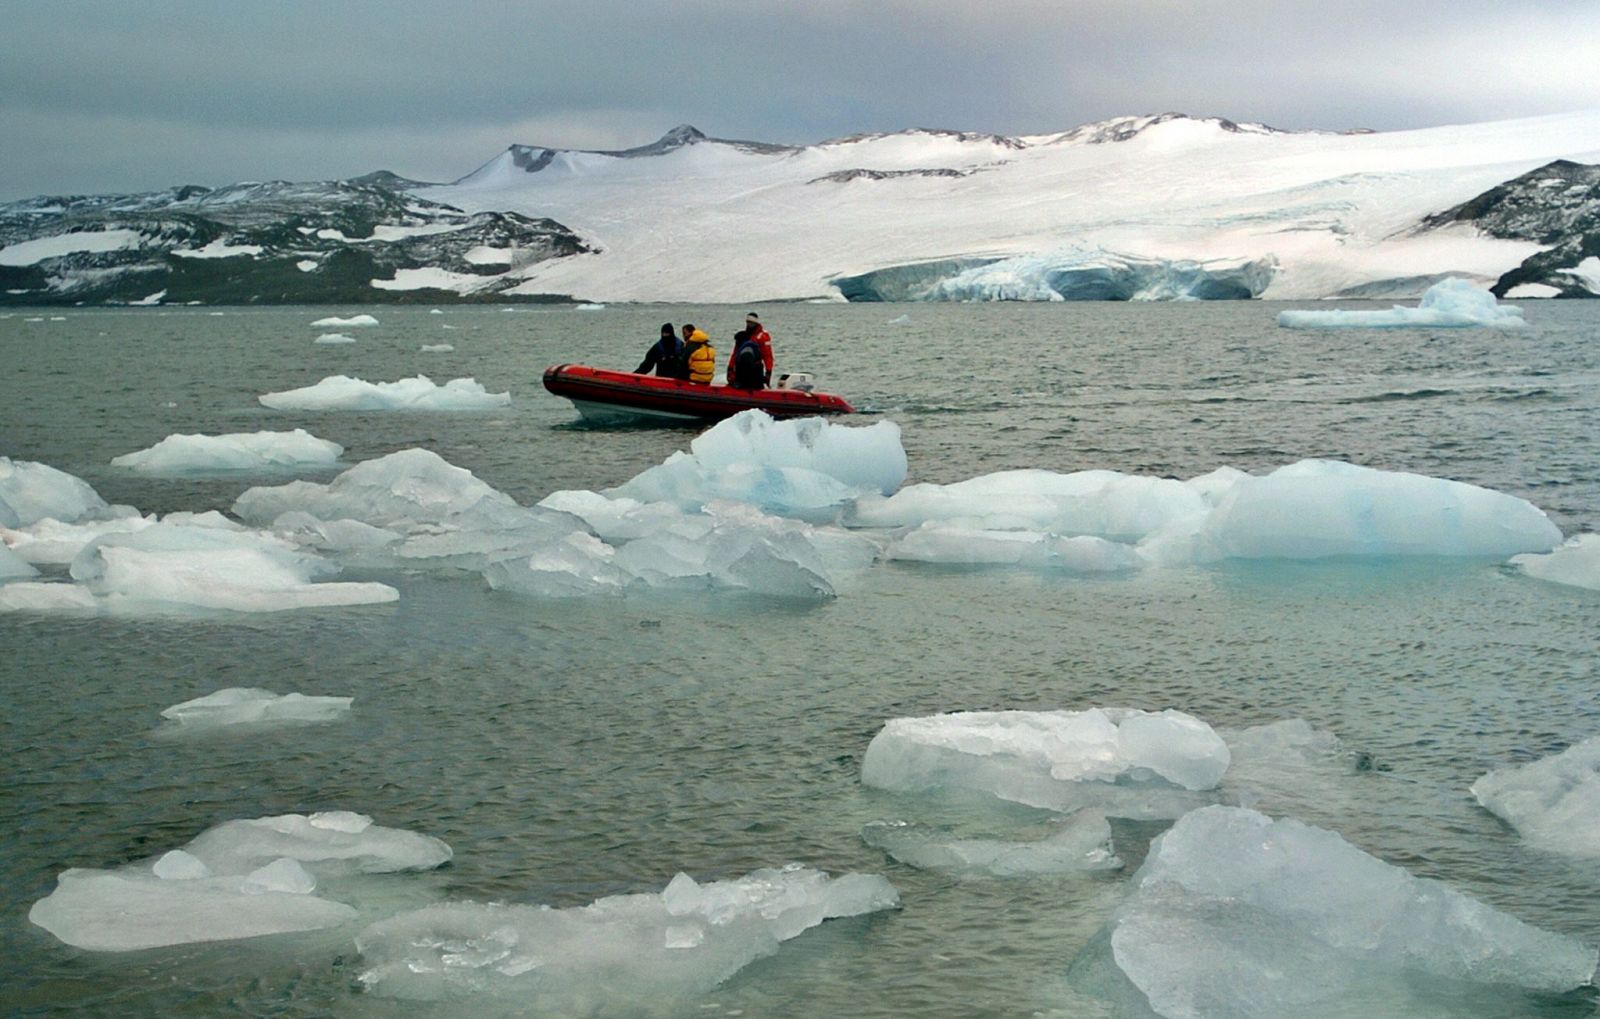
{"x": 1575, "y": 564}
{"x": 30, "y": 492}
{"x": 353, "y": 322}
{"x": 333, "y": 339}
{"x": 239, "y": 451}
{"x": 239, "y": 879}
{"x": 341, "y": 392}
{"x": 1080, "y": 844}
{"x": 1553, "y": 803}
{"x": 1122, "y": 761}
{"x": 616, "y": 955}
{"x": 1450, "y": 303}
{"x": 1234, "y": 913}
{"x": 436, "y": 348}
{"x": 235, "y": 706}
{"x": 808, "y": 468}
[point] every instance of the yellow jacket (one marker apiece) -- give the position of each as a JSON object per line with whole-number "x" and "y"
{"x": 701, "y": 357}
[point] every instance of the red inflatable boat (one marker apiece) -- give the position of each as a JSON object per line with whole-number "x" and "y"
{"x": 600, "y": 393}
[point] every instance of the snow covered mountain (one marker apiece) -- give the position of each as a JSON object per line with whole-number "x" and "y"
{"x": 1136, "y": 208}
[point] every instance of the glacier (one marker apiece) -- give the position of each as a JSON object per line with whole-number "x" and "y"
{"x": 1070, "y": 274}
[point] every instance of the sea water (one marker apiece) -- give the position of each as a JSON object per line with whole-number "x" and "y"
{"x": 573, "y": 750}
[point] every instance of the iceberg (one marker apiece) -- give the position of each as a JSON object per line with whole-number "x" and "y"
{"x": 437, "y": 348}
{"x": 1081, "y": 845}
{"x": 1236, "y": 914}
{"x": 330, "y": 339}
{"x": 1318, "y": 508}
{"x": 167, "y": 567}
{"x": 353, "y": 322}
{"x": 30, "y": 492}
{"x": 803, "y": 467}
{"x": 1554, "y": 803}
{"x": 1122, "y": 761}
{"x": 940, "y": 543}
{"x": 251, "y": 705}
{"x": 618, "y": 955}
{"x": 1451, "y": 303}
{"x": 240, "y": 879}
{"x": 242, "y": 451}
{"x": 341, "y": 392}
{"x": 1575, "y": 564}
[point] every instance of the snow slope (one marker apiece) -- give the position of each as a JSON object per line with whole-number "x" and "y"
{"x": 698, "y": 219}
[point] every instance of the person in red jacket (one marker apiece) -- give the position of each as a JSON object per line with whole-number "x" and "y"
{"x": 751, "y": 376}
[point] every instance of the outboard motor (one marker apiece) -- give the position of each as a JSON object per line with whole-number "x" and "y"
{"x": 795, "y": 380}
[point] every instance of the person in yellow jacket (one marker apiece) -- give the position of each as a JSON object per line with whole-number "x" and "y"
{"x": 699, "y": 355}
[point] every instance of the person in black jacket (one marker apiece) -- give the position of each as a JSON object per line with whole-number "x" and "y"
{"x": 664, "y": 355}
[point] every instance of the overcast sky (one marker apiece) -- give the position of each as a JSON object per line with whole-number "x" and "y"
{"x": 130, "y": 96}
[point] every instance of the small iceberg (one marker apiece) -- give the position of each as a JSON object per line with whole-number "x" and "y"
{"x": 1236, "y": 914}
{"x": 31, "y": 492}
{"x": 328, "y": 339}
{"x": 437, "y": 348}
{"x": 1122, "y": 761}
{"x": 1080, "y": 845}
{"x": 1553, "y": 803}
{"x": 1449, "y": 304}
{"x": 353, "y": 322}
{"x": 1575, "y": 564}
{"x": 341, "y": 392}
{"x": 237, "y": 706}
{"x": 240, "y": 451}
{"x": 240, "y": 879}
{"x": 620, "y": 955}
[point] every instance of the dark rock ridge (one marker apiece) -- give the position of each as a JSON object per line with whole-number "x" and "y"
{"x": 273, "y": 243}
{"x": 533, "y": 158}
{"x": 845, "y": 176}
{"x": 1557, "y": 205}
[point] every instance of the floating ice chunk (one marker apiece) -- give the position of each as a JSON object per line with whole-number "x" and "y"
{"x": 281, "y": 875}
{"x": 1290, "y": 765}
{"x": 341, "y": 392}
{"x": 578, "y": 565}
{"x": 590, "y": 307}
{"x": 329, "y": 844}
{"x": 354, "y": 321}
{"x": 616, "y": 955}
{"x": 1450, "y": 303}
{"x": 330, "y": 339}
{"x": 1576, "y": 563}
{"x": 1126, "y": 762}
{"x": 241, "y": 451}
{"x": 341, "y": 535}
{"x": 619, "y": 519}
{"x": 127, "y": 910}
{"x": 1106, "y": 504}
{"x": 13, "y": 566}
{"x": 250, "y": 705}
{"x": 177, "y": 865}
{"x": 1082, "y": 845}
{"x": 166, "y": 567}
{"x": 240, "y": 879}
{"x": 1554, "y": 803}
{"x": 1236, "y": 914}
{"x": 805, "y": 467}
{"x": 942, "y": 543}
{"x": 30, "y": 492}
{"x": 49, "y": 541}
{"x": 46, "y": 596}
{"x": 1318, "y": 508}
{"x": 437, "y": 348}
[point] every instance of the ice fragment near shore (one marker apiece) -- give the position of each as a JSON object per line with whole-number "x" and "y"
{"x": 240, "y": 879}
{"x": 1450, "y": 303}
{"x": 617, "y": 954}
{"x": 1553, "y": 803}
{"x": 243, "y": 451}
{"x": 250, "y": 705}
{"x": 1125, "y": 762}
{"x": 1575, "y": 564}
{"x": 354, "y": 321}
{"x": 420, "y": 393}
{"x": 1236, "y": 914}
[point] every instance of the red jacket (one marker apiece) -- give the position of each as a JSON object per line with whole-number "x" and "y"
{"x": 763, "y": 342}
